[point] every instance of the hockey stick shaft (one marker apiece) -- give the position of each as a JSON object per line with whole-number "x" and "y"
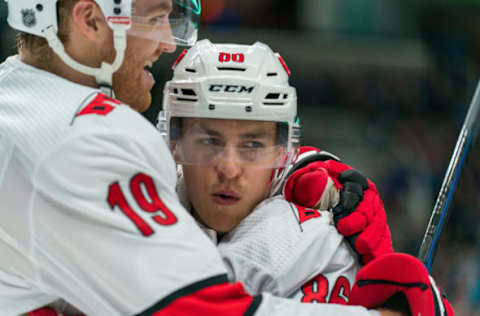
{"x": 440, "y": 213}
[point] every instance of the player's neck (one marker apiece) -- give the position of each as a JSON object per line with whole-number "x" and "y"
{"x": 59, "y": 68}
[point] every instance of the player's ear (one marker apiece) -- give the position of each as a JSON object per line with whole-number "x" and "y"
{"x": 89, "y": 20}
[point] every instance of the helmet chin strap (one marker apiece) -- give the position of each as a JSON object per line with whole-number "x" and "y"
{"x": 104, "y": 74}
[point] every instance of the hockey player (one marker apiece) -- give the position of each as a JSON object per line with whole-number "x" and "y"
{"x": 230, "y": 118}
{"x": 88, "y": 203}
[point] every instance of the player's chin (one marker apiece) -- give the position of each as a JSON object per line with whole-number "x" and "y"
{"x": 139, "y": 101}
{"x": 224, "y": 227}
{"x": 145, "y": 103}
{"x": 227, "y": 222}
{"x": 134, "y": 92}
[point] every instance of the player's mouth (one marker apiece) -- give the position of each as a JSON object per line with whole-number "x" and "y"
{"x": 226, "y": 197}
{"x": 147, "y": 75}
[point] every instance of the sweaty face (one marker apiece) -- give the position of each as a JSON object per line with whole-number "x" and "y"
{"x": 225, "y": 183}
{"x": 133, "y": 81}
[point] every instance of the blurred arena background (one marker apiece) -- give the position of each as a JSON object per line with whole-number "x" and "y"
{"x": 385, "y": 85}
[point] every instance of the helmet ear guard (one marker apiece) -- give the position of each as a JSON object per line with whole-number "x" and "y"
{"x": 233, "y": 82}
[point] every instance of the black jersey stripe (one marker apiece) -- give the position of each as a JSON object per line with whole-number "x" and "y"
{"x": 185, "y": 291}
{"x": 257, "y": 300}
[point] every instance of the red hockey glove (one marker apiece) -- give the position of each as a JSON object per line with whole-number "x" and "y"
{"x": 312, "y": 187}
{"x": 359, "y": 213}
{"x": 47, "y": 311}
{"x": 399, "y": 275}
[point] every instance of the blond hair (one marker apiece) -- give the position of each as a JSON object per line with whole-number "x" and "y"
{"x": 37, "y": 46}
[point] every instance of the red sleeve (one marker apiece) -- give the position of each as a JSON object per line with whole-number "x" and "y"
{"x": 214, "y": 297}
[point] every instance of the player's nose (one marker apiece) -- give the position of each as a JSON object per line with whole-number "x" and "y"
{"x": 228, "y": 165}
{"x": 168, "y": 45}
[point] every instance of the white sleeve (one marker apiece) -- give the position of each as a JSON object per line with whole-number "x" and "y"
{"x": 271, "y": 251}
{"x": 91, "y": 218}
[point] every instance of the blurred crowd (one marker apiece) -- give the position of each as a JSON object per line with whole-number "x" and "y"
{"x": 397, "y": 125}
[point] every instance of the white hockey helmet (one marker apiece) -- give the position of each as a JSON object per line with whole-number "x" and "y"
{"x": 39, "y": 17}
{"x": 234, "y": 82}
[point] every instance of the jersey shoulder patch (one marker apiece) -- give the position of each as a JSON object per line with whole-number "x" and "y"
{"x": 101, "y": 104}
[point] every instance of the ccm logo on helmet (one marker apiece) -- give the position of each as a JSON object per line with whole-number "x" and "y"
{"x": 235, "y": 57}
{"x": 230, "y": 88}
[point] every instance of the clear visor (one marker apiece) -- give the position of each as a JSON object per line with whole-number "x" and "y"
{"x": 166, "y": 21}
{"x": 211, "y": 142}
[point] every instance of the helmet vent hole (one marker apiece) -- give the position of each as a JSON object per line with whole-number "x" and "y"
{"x": 175, "y": 91}
{"x": 273, "y": 103}
{"x": 190, "y": 70}
{"x": 186, "y": 100}
{"x": 273, "y": 96}
{"x": 211, "y": 107}
{"x": 248, "y": 108}
{"x": 285, "y": 96}
{"x": 39, "y": 7}
{"x": 272, "y": 74}
{"x": 189, "y": 92}
{"x": 230, "y": 69}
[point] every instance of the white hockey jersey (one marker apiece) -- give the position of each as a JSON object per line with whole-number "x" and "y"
{"x": 290, "y": 251}
{"x": 90, "y": 214}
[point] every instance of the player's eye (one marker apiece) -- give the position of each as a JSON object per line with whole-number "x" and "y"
{"x": 158, "y": 20}
{"x": 253, "y": 145}
{"x": 251, "y": 151}
{"x": 208, "y": 141}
